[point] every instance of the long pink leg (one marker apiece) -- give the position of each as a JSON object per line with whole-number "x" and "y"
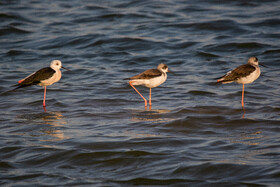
{"x": 45, "y": 92}
{"x": 130, "y": 82}
{"x": 150, "y": 100}
{"x": 242, "y": 101}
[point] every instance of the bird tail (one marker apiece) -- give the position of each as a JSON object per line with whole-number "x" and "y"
{"x": 19, "y": 85}
{"x": 220, "y": 80}
{"x": 223, "y": 81}
{"x": 20, "y": 81}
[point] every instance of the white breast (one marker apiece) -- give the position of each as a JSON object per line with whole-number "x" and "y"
{"x": 151, "y": 83}
{"x": 55, "y": 78}
{"x": 250, "y": 78}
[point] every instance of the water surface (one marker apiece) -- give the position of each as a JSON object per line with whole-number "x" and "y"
{"x": 96, "y": 131}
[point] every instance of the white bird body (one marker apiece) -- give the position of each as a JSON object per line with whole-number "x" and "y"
{"x": 43, "y": 77}
{"x": 244, "y": 74}
{"x": 150, "y": 78}
{"x": 55, "y": 78}
{"x": 251, "y": 77}
{"x": 151, "y": 83}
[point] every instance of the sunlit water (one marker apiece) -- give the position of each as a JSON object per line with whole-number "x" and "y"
{"x": 96, "y": 131}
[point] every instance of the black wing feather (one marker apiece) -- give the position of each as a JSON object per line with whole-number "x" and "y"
{"x": 37, "y": 77}
{"x": 239, "y": 72}
{"x": 148, "y": 74}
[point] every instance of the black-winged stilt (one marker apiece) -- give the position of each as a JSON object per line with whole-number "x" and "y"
{"x": 150, "y": 78}
{"x": 244, "y": 74}
{"x": 43, "y": 77}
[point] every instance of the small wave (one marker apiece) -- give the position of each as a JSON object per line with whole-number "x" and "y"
{"x": 12, "y": 30}
{"x": 5, "y": 165}
{"x": 18, "y": 52}
{"x": 220, "y": 25}
{"x": 151, "y": 181}
{"x": 272, "y": 51}
{"x": 9, "y": 16}
{"x": 265, "y": 23}
{"x": 6, "y": 16}
{"x": 199, "y": 92}
{"x": 206, "y": 54}
{"x": 233, "y": 46}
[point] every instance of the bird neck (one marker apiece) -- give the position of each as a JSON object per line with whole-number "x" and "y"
{"x": 254, "y": 64}
{"x": 162, "y": 71}
{"x": 55, "y": 69}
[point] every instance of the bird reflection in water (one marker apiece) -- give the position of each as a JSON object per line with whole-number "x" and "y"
{"x": 46, "y": 126}
{"x": 156, "y": 115}
{"x": 244, "y": 111}
{"x": 55, "y": 120}
{"x": 247, "y": 156}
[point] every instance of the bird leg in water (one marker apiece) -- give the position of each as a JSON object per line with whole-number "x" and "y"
{"x": 45, "y": 92}
{"x": 150, "y": 99}
{"x": 242, "y": 101}
{"x": 130, "y": 82}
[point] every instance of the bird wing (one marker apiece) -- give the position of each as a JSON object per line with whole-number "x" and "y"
{"x": 237, "y": 73}
{"x": 37, "y": 77}
{"x": 148, "y": 74}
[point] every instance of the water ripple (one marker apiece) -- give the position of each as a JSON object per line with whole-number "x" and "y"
{"x": 96, "y": 130}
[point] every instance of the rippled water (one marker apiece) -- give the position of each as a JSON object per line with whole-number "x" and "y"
{"x": 96, "y": 130}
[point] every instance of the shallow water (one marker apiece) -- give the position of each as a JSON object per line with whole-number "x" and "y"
{"x": 96, "y": 130}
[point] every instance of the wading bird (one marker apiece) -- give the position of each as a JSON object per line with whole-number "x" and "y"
{"x": 243, "y": 74}
{"x": 150, "y": 78}
{"x": 43, "y": 77}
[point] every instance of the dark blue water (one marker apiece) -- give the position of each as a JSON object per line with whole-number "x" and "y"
{"x": 96, "y": 131}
